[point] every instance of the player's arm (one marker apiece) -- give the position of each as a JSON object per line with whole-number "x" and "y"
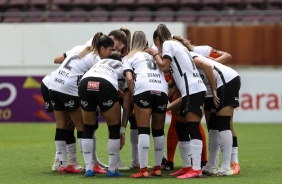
{"x": 59, "y": 59}
{"x": 207, "y": 68}
{"x": 125, "y": 115}
{"x": 220, "y": 56}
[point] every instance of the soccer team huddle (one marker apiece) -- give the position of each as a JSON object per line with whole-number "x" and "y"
{"x": 124, "y": 80}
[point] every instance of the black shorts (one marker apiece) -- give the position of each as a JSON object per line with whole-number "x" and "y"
{"x": 209, "y": 105}
{"x": 95, "y": 91}
{"x": 63, "y": 102}
{"x": 229, "y": 94}
{"x": 156, "y": 100}
{"x": 46, "y": 98}
{"x": 193, "y": 103}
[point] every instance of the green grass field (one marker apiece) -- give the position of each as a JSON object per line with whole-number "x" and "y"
{"x": 27, "y": 152}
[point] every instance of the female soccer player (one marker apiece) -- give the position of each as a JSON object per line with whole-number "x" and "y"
{"x": 177, "y": 59}
{"x": 149, "y": 90}
{"x": 64, "y": 89}
{"x": 99, "y": 87}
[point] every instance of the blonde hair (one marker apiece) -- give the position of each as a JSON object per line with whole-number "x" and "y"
{"x": 139, "y": 43}
{"x": 184, "y": 42}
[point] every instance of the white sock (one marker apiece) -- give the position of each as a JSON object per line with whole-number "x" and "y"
{"x": 225, "y": 140}
{"x": 87, "y": 145}
{"x": 94, "y": 152}
{"x": 213, "y": 147}
{"x": 185, "y": 152}
{"x": 56, "y": 159}
{"x": 196, "y": 146}
{"x": 79, "y": 140}
{"x": 134, "y": 145}
{"x": 234, "y": 155}
{"x": 71, "y": 150}
{"x": 158, "y": 149}
{"x": 143, "y": 149}
{"x": 62, "y": 152}
{"x": 113, "y": 147}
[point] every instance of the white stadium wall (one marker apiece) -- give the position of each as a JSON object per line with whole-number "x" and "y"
{"x": 29, "y": 50}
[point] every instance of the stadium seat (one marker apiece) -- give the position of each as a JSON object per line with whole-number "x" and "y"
{"x": 164, "y": 14}
{"x": 99, "y": 14}
{"x": 39, "y": 2}
{"x": 3, "y": 3}
{"x": 104, "y": 2}
{"x": 186, "y": 14}
{"x": 125, "y": 2}
{"x": 229, "y": 15}
{"x": 142, "y": 14}
{"x": 18, "y": 2}
{"x": 146, "y": 2}
{"x": 190, "y": 2}
{"x": 121, "y": 14}
{"x": 208, "y": 15}
{"x": 12, "y": 15}
{"x": 83, "y": 2}
{"x": 35, "y": 15}
{"x": 61, "y": 2}
{"x": 165, "y": 2}
{"x": 77, "y": 14}
{"x": 56, "y": 15}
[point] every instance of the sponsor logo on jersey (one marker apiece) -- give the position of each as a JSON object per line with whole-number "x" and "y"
{"x": 94, "y": 86}
{"x": 69, "y": 104}
{"x": 145, "y": 103}
{"x": 83, "y": 103}
{"x": 108, "y": 103}
{"x": 162, "y": 107}
{"x": 47, "y": 105}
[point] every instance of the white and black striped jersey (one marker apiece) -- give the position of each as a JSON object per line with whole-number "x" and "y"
{"x": 67, "y": 77}
{"x": 108, "y": 69}
{"x": 223, "y": 74}
{"x": 148, "y": 76}
{"x": 47, "y": 80}
{"x": 204, "y": 50}
{"x": 183, "y": 69}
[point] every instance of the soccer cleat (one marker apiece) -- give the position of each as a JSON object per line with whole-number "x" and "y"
{"x": 80, "y": 168}
{"x": 164, "y": 161}
{"x": 98, "y": 170}
{"x": 168, "y": 166}
{"x": 72, "y": 169}
{"x": 156, "y": 171}
{"x": 63, "y": 170}
{"x": 236, "y": 167}
{"x": 203, "y": 163}
{"x": 89, "y": 173}
{"x": 56, "y": 168}
{"x": 225, "y": 172}
{"x": 192, "y": 174}
{"x": 181, "y": 171}
{"x": 209, "y": 170}
{"x": 113, "y": 174}
{"x": 120, "y": 166}
{"x": 134, "y": 165}
{"x": 102, "y": 165}
{"x": 140, "y": 174}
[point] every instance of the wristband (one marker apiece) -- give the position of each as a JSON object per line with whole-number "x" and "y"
{"x": 122, "y": 130}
